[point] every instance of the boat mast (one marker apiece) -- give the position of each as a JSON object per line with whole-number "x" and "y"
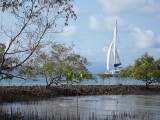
{"x": 114, "y": 45}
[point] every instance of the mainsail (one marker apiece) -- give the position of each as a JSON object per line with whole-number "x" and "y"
{"x": 115, "y": 52}
{"x": 108, "y": 55}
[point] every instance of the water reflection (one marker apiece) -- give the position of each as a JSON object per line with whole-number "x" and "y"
{"x": 100, "y": 104}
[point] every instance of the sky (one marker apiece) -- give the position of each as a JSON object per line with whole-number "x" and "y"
{"x": 138, "y": 23}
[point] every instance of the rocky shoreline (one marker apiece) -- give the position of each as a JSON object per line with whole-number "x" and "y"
{"x": 17, "y": 93}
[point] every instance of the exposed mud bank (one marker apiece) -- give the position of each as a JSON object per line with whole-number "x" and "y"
{"x": 16, "y": 93}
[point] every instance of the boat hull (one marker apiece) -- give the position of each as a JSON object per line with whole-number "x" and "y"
{"x": 113, "y": 73}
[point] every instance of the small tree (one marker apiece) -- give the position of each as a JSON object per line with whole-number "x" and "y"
{"x": 55, "y": 65}
{"x": 79, "y": 77}
{"x": 145, "y": 68}
{"x": 104, "y": 76}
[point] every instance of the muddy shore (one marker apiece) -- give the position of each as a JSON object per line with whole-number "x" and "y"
{"x": 17, "y": 93}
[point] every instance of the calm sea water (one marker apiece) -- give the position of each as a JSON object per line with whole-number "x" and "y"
{"x": 102, "y": 105}
{"x": 147, "y": 106}
{"x": 98, "y": 81}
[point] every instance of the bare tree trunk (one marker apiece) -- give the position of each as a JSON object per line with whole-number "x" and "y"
{"x": 47, "y": 86}
{"x": 147, "y": 85}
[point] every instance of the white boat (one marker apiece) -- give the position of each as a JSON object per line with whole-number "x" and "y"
{"x": 113, "y": 48}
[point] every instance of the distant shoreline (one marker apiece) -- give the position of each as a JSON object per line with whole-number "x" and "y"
{"x": 20, "y": 93}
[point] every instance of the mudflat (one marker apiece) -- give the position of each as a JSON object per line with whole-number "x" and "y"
{"x": 14, "y": 93}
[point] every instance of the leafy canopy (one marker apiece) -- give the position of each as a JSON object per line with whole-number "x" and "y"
{"x": 58, "y": 65}
{"x": 144, "y": 68}
{"x": 103, "y": 75}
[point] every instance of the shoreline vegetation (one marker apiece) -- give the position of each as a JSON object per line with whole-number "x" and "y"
{"x": 26, "y": 93}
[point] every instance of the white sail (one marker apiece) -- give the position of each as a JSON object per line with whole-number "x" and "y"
{"x": 117, "y": 60}
{"x": 114, "y": 40}
{"x": 115, "y": 52}
{"x": 116, "y": 56}
{"x": 108, "y": 55}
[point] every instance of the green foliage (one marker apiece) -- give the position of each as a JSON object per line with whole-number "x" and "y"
{"x": 7, "y": 62}
{"x": 49, "y": 67}
{"x": 127, "y": 72}
{"x": 144, "y": 68}
{"x": 78, "y": 77}
{"x": 103, "y": 75}
{"x": 60, "y": 64}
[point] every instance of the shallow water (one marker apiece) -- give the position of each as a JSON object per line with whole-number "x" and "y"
{"x": 98, "y": 81}
{"x": 101, "y": 105}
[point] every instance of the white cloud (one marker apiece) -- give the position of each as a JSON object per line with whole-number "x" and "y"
{"x": 68, "y": 30}
{"x": 115, "y": 6}
{"x": 145, "y": 38}
{"x": 104, "y": 22}
{"x": 93, "y": 22}
{"x": 104, "y": 49}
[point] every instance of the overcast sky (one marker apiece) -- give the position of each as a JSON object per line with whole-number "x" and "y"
{"x": 92, "y": 32}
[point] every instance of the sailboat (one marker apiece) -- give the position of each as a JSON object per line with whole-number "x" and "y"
{"x": 113, "y": 48}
